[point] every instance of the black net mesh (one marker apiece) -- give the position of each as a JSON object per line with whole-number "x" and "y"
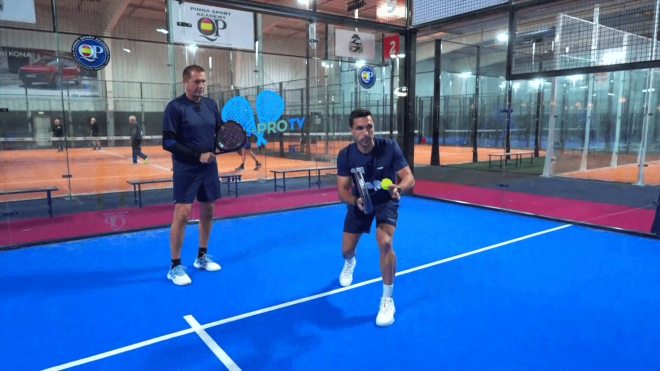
{"x": 430, "y": 10}
{"x": 584, "y": 34}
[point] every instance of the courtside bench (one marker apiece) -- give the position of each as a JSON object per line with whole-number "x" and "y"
{"x": 517, "y": 155}
{"x": 309, "y": 175}
{"x": 48, "y": 191}
{"x": 137, "y": 185}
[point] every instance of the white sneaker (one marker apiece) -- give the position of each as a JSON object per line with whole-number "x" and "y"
{"x": 178, "y": 276}
{"x": 346, "y": 276}
{"x": 206, "y": 263}
{"x": 386, "y": 313}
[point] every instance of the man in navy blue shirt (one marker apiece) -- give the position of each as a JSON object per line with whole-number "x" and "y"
{"x": 376, "y": 159}
{"x": 189, "y": 127}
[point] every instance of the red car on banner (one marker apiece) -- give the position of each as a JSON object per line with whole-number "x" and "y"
{"x": 46, "y": 70}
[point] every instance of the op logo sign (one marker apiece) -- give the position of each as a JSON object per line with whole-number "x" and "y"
{"x": 90, "y": 53}
{"x": 208, "y": 28}
{"x": 367, "y": 77}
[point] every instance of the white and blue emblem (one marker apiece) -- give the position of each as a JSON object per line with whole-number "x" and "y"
{"x": 367, "y": 77}
{"x": 91, "y": 53}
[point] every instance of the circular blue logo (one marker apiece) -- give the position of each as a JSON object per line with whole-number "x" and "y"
{"x": 367, "y": 77}
{"x": 90, "y": 53}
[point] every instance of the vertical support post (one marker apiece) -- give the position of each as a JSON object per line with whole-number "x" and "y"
{"x": 282, "y": 134}
{"x": 537, "y": 132}
{"x": 617, "y": 128}
{"x": 392, "y": 118}
{"x": 410, "y": 72}
{"x": 437, "y": 75}
{"x": 475, "y": 109}
{"x": 590, "y": 95}
{"x": 649, "y": 99}
{"x": 548, "y": 167}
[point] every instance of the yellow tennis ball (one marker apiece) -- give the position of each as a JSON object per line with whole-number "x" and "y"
{"x": 385, "y": 183}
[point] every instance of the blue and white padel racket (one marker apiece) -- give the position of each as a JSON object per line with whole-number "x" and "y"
{"x": 270, "y": 107}
{"x": 238, "y": 109}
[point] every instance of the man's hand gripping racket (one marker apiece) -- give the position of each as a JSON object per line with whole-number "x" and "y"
{"x": 364, "y": 202}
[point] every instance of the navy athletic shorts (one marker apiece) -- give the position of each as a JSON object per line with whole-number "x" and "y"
{"x": 357, "y": 222}
{"x": 201, "y": 182}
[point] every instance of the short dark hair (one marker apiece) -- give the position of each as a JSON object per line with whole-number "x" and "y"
{"x": 187, "y": 72}
{"x": 359, "y": 113}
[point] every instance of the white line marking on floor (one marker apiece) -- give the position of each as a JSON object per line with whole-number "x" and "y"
{"x": 294, "y": 302}
{"x": 114, "y": 154}
{"x": 215, "y": 348}
{"x": 120, "y": 350}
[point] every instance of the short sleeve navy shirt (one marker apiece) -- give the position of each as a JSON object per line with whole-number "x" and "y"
{"x": 194, "y": 125}
{"x": 384, "y": 161}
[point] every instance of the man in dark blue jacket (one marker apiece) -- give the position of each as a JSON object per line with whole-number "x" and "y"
{"x": 189, "y": 127}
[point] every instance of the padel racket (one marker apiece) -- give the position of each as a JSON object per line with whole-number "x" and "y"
{"x": 230, "y": 137}
{"x": 238, "y": 109}
{"x": 270, "y": 106}
{"x": 364, "y": 192}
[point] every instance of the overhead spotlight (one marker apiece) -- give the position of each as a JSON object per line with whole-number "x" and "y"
{"x": 162, "y": 30}
{"x": 393, "y": 56}
{"x": 360, "y": 63}
{"x": 127, "y": 50}
{"x": 192, "y": 47}
{"x": 401, "y": 92}
{"x": 401, "y": 55}
{"x": 503, "y": 37}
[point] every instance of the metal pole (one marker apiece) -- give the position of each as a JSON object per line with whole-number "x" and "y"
{"x": 539, "y": 103}
{"x": 591, "y": 82}
{"x": 282, "y": 134}
{"x": 392, "y": 100}
{"x": 549, "y": 154}
{"x": 475, "y": 109}
{"x": 410, "y": 71}
{"x": 437, "y": 73}
{"x": 649, "y": 95}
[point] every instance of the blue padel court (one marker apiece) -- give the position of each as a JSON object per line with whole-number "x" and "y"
{"x": 475, "y": 290}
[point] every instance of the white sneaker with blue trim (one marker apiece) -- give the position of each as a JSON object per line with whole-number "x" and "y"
{"x": 178, "y": 276}
{"x": 206, "y": 263}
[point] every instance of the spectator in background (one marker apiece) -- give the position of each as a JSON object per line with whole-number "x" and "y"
{"x": 57, "y": 131}
{"x": 136, "y": 140}
{"x": 95, "y": 133}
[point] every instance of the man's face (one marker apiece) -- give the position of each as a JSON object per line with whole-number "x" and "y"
{"x": 93, "y": 121}
{"x": 363, "y": 130}
{"x": 131, "y": 120}
{"x": 57, "y": 122}
{"x": 196, "y": 85}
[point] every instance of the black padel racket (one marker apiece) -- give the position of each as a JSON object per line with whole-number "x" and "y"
{"x": 364, "y": 192}
{"x": 230, "y": 137}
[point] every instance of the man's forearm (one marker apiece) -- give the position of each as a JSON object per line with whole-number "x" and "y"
{"x": 407, "y": 183}
{"x": 346, "y": 196}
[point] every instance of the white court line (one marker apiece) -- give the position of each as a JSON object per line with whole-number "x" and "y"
{"x": 114, "y": 154}
{"x": 121, "y": 350}
{"x": 294, "y": 302}
{"x": 215, "y": 348}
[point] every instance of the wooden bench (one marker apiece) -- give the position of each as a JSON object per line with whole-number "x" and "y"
{"x": 137, "y": 185}
{"x": 309, "y": 175}
{"x": 517, "y": 155}
{"x": 48, "y": 191}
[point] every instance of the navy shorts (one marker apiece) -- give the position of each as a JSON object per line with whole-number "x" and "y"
{"x": 202, "y": 183}
{"x": 247, "y": 145}
{"x": 357, "y": 222}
